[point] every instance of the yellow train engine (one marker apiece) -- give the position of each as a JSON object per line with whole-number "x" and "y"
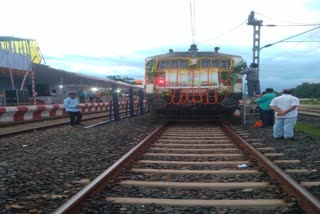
{"x": 194, "y": 84}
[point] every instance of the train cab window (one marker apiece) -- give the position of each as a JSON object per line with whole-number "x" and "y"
{"x": 179, "y": 63}
{"x": 205, "y": 63}
{"x": 215, "y": 63}
{"x": 225, "y": 64}
{"x": 164, "y": 64}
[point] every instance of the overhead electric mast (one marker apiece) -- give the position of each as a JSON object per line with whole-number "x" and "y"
{"x": 256, "y": 37}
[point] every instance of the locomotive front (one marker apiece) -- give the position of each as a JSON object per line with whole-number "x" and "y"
{"x": 193, "y": 83}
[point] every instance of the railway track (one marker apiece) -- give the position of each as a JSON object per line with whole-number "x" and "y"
{"x": 88, "y": 120}
{"x": 191, "y": 167}
{"x": 311, "y": 110}
{"x": 97, "y": 118}
{"x": 16, "y": 128}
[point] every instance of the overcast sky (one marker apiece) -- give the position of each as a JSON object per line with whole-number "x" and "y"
{"x": 113, "y": 37}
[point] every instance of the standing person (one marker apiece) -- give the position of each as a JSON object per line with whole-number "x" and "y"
{"x": 253, "y": 81}
{"x": 286, "y": 114}
{"x": 91, "y": 96}
{"x": 82, "y": 96}
{"x": 72, "y": 106}
{"x": 267, "y": 113}
{"x": 97, "y": 96}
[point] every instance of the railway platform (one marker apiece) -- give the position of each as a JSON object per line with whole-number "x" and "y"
{"x": 27, "y": 113}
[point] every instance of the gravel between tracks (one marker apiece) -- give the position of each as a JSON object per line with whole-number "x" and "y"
{"x": 40, "y": 170}
{"x": 305, "y": 148}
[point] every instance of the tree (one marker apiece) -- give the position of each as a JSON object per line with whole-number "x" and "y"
{"x": 307, "y": 90}
{"x": 125, "y": 79}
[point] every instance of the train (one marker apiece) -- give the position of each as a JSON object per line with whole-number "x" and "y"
{"x": 194, "y": 84}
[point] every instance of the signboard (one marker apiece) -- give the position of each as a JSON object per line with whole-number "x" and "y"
{"x": 196, "y": 78}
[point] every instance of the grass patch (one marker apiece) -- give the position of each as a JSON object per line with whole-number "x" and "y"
{"x": 308, "y": 128}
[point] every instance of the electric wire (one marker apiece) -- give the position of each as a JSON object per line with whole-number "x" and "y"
{"x": 269, "y": 45}
{"x": 294, "y": 57}
{"x": 126, "y": 62}
{"x": 193, "y": 22}
{"x": 289, "y": 48}
{"x": 298, "y": 25}
{"x": 229, "y": 31}
{"x": 303, "y": 41}
{"x": 294, "y": 23}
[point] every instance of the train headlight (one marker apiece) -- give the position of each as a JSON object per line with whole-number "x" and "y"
{"x": 160, "y": 81}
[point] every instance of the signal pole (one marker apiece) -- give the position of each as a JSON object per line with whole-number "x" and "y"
{"x": 256, "y": 37}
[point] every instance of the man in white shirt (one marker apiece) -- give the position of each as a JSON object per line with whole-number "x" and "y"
{"x": 72, "y": 106}
{"x": 286, "y": 114}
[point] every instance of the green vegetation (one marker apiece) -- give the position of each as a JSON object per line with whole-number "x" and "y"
{"x": 150, "y": 69}
{"x": 308, "y": 129}
{"x": 125, "y": 79}
{"x": 307, "y": 90}
{"x": 237, "y": 68}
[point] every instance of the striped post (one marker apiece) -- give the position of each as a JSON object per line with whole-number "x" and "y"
{"x": 33, "y": 88}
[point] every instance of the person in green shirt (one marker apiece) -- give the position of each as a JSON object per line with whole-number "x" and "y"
{"x": 267, "y": 114}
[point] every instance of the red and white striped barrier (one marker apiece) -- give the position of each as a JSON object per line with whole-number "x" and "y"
{"x": 37, "y": 112}
{"x": 94, "y": 107}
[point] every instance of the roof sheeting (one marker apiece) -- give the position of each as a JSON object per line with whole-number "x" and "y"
{"x": 14, "y": 61}
{"x": 186, "y": 54}
{"x": 48, "y": 75}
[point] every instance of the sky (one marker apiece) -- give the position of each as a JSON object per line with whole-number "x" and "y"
{"x": 113, "y": 37}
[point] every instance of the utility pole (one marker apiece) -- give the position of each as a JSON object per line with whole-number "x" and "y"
{"x": 256, "y": 37}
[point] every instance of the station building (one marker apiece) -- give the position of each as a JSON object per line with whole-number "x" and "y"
{"x": 24, "y": 80}
{"x": 53, "y": 85}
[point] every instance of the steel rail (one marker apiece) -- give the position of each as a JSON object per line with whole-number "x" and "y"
{"x": 309, "y": 113}
{"x": 29, "y": 126}
{"x": 306, "y": 200}
{"x": 100, "y": 182}
{"x": 19, "y": 128}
